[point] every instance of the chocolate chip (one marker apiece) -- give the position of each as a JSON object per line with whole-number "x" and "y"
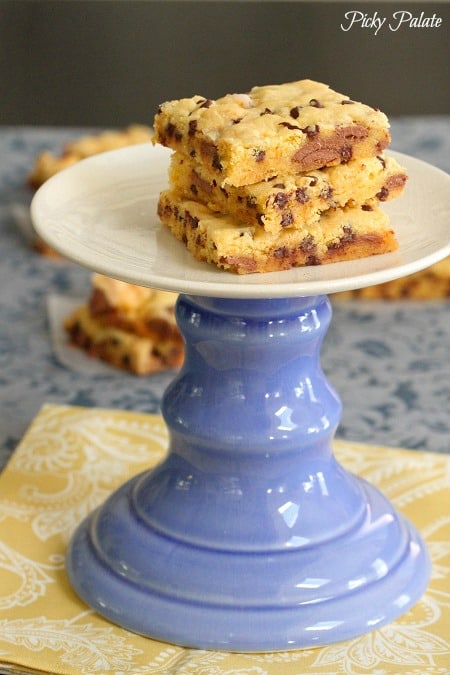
{"x": 346, "y": 153}
{"x": 315, "y": 103}
{"x": 280, "y": 186}
{"x": 346, "y": 238}
{"x": 381, "y": 144}
{"x": 280, "y": 200}
{"x": 347, "y": 102}
{"x": 308, "y": 244}
{"x": 206, "y": 103}
{"x": 301, "y": 195}
{"x": 326, "y": 193}
{"x": 312, "y": 260}
{"x": 236, "y": 120}
{"x": 348, "y": 235}
{"x": 191, "y": 221}
{"x": 288, "y": 125}
{"x": 280, "y": 252}
{"x": 266, "y": 111}
{"x": 87, "y": 342}
{"x": 350, "y": 133}
{"x": 259, "y": 155}
{"x": 193, "y": 189}
{"x": 314, "y": 180}
{"x": 382, "y": 160}
{"x": 366, "y": 207}
{"x": 383, "y": 194}
{"x": 396, "y": 181}
{"x": 287, "y": 219}
{"x": 251, "y": 202}
{"x": 294, "y": 112}
{"x": 192, "y": 127}
{"x": 216, "y": 162}
{"x": 170, "y": 129}
{"x": 311, "y": 130}
{"x": 192, "y": 153}
{"x": 225, "y": 193}
{"x": 165, "y": 210}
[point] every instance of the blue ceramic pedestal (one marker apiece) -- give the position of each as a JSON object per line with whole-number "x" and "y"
{"x": 249, "y": 536}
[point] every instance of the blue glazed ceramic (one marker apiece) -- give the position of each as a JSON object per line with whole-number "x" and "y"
{"x": 249, "y": 536}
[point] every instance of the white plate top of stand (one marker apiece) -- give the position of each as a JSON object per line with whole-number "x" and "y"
{"x": 101, "y": 213}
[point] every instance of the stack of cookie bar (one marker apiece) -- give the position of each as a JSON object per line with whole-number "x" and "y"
{"x": 128, "y": 326}
{"x": 284, "y": 176}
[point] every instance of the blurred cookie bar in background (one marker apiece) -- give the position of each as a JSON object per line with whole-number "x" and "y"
{"x": 48, "y": 164}
{"x": 432, "y": 283}
{"x": 128, "y": 326}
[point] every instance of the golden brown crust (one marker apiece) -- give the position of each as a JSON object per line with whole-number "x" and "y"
{"x": 341, "y": 234}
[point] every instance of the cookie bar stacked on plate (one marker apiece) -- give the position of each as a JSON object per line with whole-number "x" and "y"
{"x": 284, "y": 176}
{"x": 128, "y": 326}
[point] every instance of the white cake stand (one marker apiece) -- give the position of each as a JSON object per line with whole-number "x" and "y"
{"x": 249, "y": 535}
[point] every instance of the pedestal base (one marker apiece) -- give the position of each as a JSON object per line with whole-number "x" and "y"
{"x": 249, "y": 536}
{"x": 193, "y": 596}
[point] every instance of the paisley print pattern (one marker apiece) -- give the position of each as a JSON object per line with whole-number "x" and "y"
{"x": 72, "y": 457}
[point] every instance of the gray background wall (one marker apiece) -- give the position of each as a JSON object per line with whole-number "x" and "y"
{"x": 110, "y": 63}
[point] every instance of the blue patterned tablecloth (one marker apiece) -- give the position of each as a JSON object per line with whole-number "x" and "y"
{"x": 389, "y": 362}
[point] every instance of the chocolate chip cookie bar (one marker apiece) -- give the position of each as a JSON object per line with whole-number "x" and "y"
{"x": 339, "y": 234}
{"x": 433, "y": 283}
{"x": 272, "y": 130}
{"x": 128, "y": 326}
{"x": 290, "y": 201}
{"x": 48, "y": 164}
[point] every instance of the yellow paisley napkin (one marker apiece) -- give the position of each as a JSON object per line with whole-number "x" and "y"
{"x": 72, "y": 458}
